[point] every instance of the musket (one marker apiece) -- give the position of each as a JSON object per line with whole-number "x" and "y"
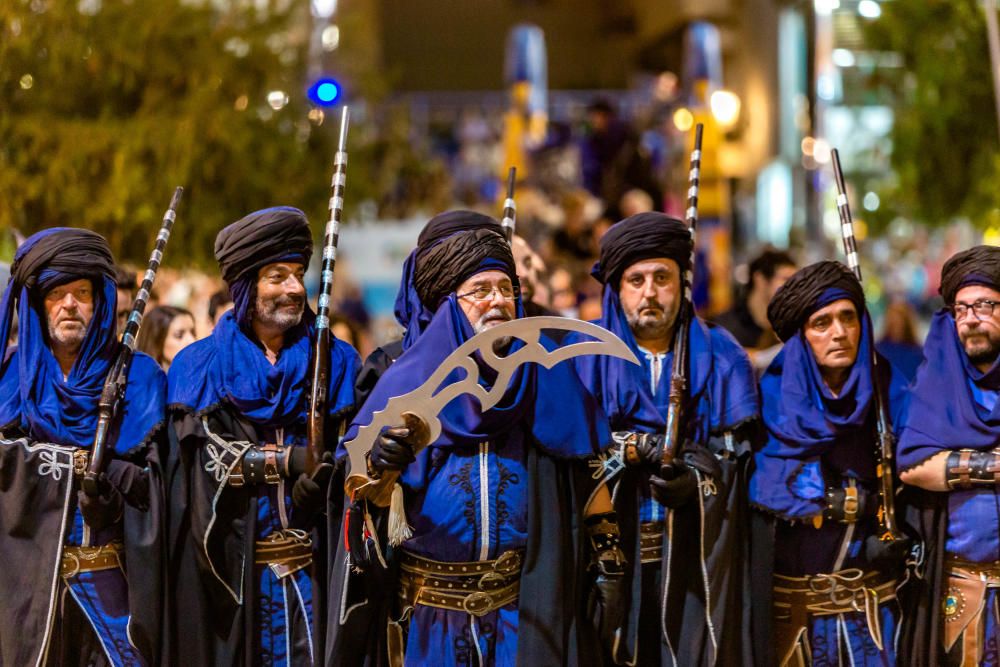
{"x": 114, "y": 384}
{"x": 888, "y": 529}
{"x": 678, "y": 371}
{"x": 320, "y": 371}
{"x": 509, "y": 208}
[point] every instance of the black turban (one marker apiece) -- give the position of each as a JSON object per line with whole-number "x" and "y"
{"x": 976, "y": 266}
{"x": 443, "y": 266}
{"x": 262, "y": 238}
{"x": 807, "y": 291}
{"x": 62, "y": 255}
{"x": 638, "y": 237}
{"x": 443, "y": 225}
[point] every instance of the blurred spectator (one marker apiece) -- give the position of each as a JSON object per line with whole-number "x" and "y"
{"x": 574, "y": 241}
{"x": 165, "y": 331}
{"x": 350, "y": 332}
{"x": 127, "y": 286}
{"x": 564, "y": 296}
{"x": 612, "y": 159}
{"x": 635, "y": 201}
{"x": 747, "y": 320}
{"x": 899, "y": 342}
{"x": 531, "y": 275}
{"x": 219, "y": 304}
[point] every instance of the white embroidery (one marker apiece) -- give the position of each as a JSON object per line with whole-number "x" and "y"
{"x": 216, "y": 464}
{"x": 606, "y": 465}
{"x": 50, "y": 465}
{"x": 708, "y": 487}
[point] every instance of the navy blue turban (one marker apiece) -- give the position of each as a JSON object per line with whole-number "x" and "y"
{"x": 976, "y": 266}
{"x": 279, "y": 234}
{"x": 638, "y": 237}
{"x": 810, "y": 289}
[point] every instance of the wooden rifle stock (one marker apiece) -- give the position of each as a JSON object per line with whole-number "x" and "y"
{"x": 679, "y": 368}
{"x": 888, "y": 527}
{"x": 114, "y": 385}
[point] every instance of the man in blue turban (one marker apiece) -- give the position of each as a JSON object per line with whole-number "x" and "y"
{"x": 816, "y": 476}
{"x": 949, "y": 451}
{"x": 506, "y": 524}
{"x": 247, "y": 522}
{"x": 66, "y": 597}
{"x": 682, "y": 525}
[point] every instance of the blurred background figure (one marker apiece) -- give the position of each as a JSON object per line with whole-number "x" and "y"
{"x": 899, "y": 343}
{"x": 747, "y": 320}
{"x": 219, "y": 304}
{"x": 165, "y": 331}
{"x": 127, "y": 286}
{"x": 533, "y": 278}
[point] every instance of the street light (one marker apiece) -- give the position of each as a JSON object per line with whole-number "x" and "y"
{"x": 725, "y": 107}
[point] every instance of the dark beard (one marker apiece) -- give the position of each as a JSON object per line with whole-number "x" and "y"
{"x": 649, "y": 327}
{"x": 985, "y": 356}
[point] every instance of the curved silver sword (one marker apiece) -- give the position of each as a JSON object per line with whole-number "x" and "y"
{"x": 419, "y": 409}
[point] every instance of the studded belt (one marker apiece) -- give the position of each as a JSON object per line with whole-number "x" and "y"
{"x": 76, "y": 560}
{"x": 651, "y": 541}
{"x": 474, "y": 587}
{"x": 284, "y": 551}
{"x": 963, "y": 605}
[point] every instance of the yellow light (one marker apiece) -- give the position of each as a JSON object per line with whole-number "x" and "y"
{"x": 316, "y": 116}
{"x": 683, "y": 119}
{"x": 992, "y": 236}
{"x": 241, "y": 103}
{"x": 725, "y": 107}
{"x": 27, "y": 81}
{"x": 808, "y": 146}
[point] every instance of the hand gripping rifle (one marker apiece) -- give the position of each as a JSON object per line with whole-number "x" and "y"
{"x": 509, "y": 208}
{"x": 678, "y": 371}
{"x": 114, "y": 385}
{"x": 320, "y": 371}
{"x": 888, "y": 528}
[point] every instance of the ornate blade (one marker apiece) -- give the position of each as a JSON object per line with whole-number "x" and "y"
{"x": 426, "y": 401}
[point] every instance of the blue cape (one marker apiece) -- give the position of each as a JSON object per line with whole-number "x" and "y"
{"x": 806, "y": 423}
{"x": 229, "y": 367}
{"x": 943, "y": 413}
{"x": 561, "y": 415}
{"x": 35, "y": 398}
{"x": 722, "y": 390}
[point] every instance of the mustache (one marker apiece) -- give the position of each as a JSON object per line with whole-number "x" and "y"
{"x": 70, "y": 318}
{"x": 495, "y": 314}
{"x": 288, "y": 300}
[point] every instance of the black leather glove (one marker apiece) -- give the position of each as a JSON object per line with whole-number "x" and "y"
{"x": 131, "y": 481}
{"x": 639, "y": 448}
{"x": 309, "y": 491}
{"x": 104, "y": 509}
{"x": 888, "y": 553}
{"x": 391, "y": 450}
{"x": 674, "y": 486}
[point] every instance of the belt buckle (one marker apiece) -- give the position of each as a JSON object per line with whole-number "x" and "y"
{"x": 478, "y": 603}
{"x": 491, "y": 581}
{"x": 81, "y": 458}
{"x": 508, "y": 563}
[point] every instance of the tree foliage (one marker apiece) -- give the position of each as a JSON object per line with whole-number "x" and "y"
{"x": 106, "y": 106}
{"x": 945, "y": 141}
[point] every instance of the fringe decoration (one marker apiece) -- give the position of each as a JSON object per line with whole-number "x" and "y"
{"x": 399, "y": 530}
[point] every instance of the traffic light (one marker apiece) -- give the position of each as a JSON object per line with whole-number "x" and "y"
{"x": 325, "y": 92}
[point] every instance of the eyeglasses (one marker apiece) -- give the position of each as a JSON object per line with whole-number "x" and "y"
{"x": 485, "y": 293}
{"x": 981, "y": 309}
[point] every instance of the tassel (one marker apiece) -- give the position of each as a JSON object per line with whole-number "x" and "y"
{"x": 399, "y": 530}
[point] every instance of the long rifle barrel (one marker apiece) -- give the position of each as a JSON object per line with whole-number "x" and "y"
{"x": 509, "y": 207}
{"x": 114, "y": 385}
{"x": 320, "y": 371}
{"x": 678, "y": 371}
{"x": 888, "y": 527}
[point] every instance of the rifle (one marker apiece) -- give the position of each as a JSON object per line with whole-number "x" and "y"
{"x": 888, "y": 528}
{"x": 114, "y": 385}
{"x": 320, "y": 371}
{"x": 509, "y": 208}
{"x": 678, "y": 371}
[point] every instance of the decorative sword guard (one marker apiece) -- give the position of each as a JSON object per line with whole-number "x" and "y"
{"x": 419, "y": 409}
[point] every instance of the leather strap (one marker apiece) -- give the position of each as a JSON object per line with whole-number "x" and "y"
{"x": 651, "y": 542}
{"x": 76, "y": 560}
{"x": 508, "y": 562}
{"x": 284, "y": 551}
{"x": 967, "y": 468}
{"x": 474, "y": 587}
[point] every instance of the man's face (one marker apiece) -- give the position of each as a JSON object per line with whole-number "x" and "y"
{"x": 281, "y": 295}
{"x": 833, "y": 333}
{"x": 68, "y": 310}
{"x": 772, "y": 285}
{"x": 125, "y": 298}
{"x": 529, "y": 269}
{"x": 650, "y": 295}
{"x": 979, "y": 334}
{"x": 483, "y": 302}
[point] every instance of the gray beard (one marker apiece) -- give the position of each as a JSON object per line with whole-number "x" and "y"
{"x": 648, "y": 327}
{"x": 267, "y": 311}
{"x": 500, "y": 344}
{"x": 68, "y": 339}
